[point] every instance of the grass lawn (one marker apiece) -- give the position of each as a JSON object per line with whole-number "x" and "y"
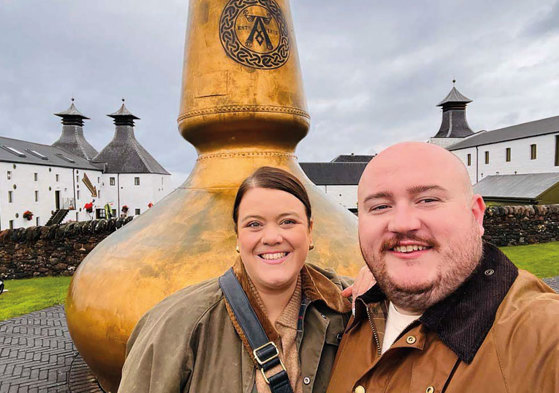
{"x": 539, "y": 259}
{"x": 32, "y": 294}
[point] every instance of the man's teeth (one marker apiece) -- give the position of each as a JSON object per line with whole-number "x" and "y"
{"x": 409, "y": 248}
{"x": 275, "y": 255}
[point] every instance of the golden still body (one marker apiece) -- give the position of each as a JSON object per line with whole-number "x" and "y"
{"x": 242, "y": 107}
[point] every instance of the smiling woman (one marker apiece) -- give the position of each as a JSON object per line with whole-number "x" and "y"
{"x": 199, "y": 340}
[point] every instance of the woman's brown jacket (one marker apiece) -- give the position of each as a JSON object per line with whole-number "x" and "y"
{"x": 188, "y": 342}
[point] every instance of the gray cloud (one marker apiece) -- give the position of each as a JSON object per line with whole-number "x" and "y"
{"x": 373, "y": 70}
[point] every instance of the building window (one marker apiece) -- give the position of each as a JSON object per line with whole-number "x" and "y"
{"x": 77, "y": 179}
{"x": 487, "y": 157}
{"x": 57, "y": 177}
{"x": 533, "y": 152}
{"x": 98, "y": 180}
{"x": 507, "y": 154}
{"x": 9, "y": 175}
{"x": 557, "y": 150}
{"x": 137, "y": 212}
{"x": 35, "y": 176}
{"x": 99, "y": 194}
{"x": 37, "y": 221}
{"x": 136, "y": 181}
{"x": 78, "y": 194}
{"x": 36, "y": 196}
{"x": 469, "y": 160}
{"x": 112, "y": 181}
{"x": 10, "y": 196}
{"x": 11, "y": 224}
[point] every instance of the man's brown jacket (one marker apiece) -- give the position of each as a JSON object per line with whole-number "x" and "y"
{"x": 498, "y": 333}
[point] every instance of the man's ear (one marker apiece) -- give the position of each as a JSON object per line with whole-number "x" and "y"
{"x": 478, "y": 210}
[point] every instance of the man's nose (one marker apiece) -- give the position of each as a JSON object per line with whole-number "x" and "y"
{"x": 271, "y": 235}
{"x": 403, "y": 219}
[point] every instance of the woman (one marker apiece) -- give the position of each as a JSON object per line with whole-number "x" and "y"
{"x": 192, "y": 341}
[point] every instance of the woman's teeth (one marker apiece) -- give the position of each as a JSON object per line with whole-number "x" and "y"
{"x": 409, "y": 248}
{"x": 272, "y": 256}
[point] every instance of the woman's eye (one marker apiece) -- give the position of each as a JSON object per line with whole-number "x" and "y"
{"x": 253, "y": 224}
{"x": 288, "y": 222}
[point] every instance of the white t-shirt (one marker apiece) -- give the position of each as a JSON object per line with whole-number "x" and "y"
{"x": 396, "y": 322}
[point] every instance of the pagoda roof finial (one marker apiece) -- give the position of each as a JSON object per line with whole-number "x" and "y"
{"x": 71, "y": 112}
{"x": 454, "y": 96}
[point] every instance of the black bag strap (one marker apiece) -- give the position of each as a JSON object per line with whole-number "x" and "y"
{"x": 265, "y": 351}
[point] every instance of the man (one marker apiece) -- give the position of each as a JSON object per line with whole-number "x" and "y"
{"x": 450, "y": 313}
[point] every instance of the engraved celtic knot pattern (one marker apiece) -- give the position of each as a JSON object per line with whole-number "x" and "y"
{"x": 254, "y": 33}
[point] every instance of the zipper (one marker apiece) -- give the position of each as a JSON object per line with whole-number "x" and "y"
{"x": 375, "y": 335}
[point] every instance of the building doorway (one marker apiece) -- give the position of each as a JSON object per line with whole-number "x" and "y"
{"x": 57, "y": 200}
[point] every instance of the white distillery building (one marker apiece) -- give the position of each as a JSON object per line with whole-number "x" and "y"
{"x": 495, "y": 159}
{"x": 55, "y": 183}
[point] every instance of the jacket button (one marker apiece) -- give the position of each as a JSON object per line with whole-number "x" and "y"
{"x": 323, "y": 316}
{"x": 489, "y": 272}
{"x": 411, "y": 340}
{"x": 430, "y": 389}
{"x": 359, "y": 389}
{"x": 306, "y": 380}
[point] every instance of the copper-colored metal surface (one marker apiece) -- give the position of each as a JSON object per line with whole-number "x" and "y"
{"x": 242, "y": 107}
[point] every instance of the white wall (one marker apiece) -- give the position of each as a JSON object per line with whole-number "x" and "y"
{"x": 49, "y": 181}
{"x": 152, "y": 188}
{"x": 344, "y": 195}
{"x": 520, "y": 162}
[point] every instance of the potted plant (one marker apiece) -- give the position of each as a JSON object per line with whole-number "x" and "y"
{"x": 124, "y": 209}
{"x": 88, "y": 207}
{"x": 28, "y": 215}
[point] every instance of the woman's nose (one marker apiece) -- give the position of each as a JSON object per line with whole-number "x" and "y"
{"x": 271, "y": 236}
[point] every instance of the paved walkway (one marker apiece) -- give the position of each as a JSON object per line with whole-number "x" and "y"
{"x": 37, "y": 354}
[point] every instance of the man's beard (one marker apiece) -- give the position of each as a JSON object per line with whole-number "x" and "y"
{"x": 459, "y": 263}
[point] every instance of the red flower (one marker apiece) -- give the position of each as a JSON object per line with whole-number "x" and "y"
{"x": 28, "y": 215}
{"x": 150, "y": 205}
{"x": 88, "y": 207}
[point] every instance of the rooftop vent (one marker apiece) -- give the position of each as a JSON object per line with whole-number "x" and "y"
{"x": 37, "y": 154}
{"x": 13, "y": 151}
{"x": 60, "y": 155}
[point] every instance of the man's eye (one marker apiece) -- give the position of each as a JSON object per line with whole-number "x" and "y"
{"x": 428, "y": 200}
{"x": 379, "y": 207}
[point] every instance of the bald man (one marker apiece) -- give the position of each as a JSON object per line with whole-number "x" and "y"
{"x": 450, "y": 313}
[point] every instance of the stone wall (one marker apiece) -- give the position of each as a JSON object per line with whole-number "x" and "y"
{"x": 59, "y": 249}
{"x": 515, "y": 225}
{"x": 51, "y": 251}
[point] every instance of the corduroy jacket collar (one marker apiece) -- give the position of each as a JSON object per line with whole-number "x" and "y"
{"x": 462, "y": 319}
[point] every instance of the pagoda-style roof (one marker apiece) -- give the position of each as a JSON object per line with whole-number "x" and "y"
{"x": 454, "y": 123}
{"x": 454, "y": 97}
{"x": 72, "y": 139}
{"x": 72, "y": 111}
{"x": 124, "y": 154}
{"x": 123, "y": 116}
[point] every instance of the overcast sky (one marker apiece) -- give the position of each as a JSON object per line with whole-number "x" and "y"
{"x": 373, "y": 70}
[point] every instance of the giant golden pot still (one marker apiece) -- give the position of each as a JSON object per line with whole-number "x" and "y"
{"x": 242, "y": 107}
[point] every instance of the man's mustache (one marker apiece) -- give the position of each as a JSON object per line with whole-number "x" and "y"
{"x": 392, "y": 242}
